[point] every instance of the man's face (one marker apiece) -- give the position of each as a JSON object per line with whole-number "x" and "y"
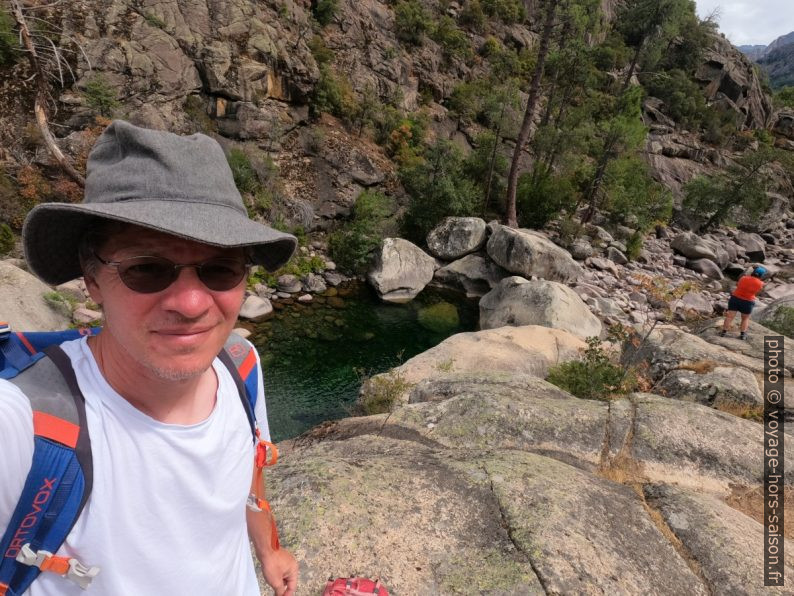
{"x": 174, "y": 333}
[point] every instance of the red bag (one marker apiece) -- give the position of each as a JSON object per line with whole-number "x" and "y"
{"x": 354, "y": 586}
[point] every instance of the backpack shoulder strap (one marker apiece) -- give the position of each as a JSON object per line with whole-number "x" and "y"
{"x": 59, "y": 482}
{"x": 19, "y": 351}
{"x": 239, "y": 356}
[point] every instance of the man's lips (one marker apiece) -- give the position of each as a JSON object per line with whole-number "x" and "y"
{"x": 183, "y": 332}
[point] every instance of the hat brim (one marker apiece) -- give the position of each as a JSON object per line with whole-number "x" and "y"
{"x": 52, "y": 232}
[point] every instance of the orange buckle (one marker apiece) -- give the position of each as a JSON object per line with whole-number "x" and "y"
{"x": 70, "y": 568}
{"x": 261, "y": 454}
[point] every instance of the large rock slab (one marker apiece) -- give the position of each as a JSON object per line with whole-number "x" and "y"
{"x": 400, "y": 270}
{"x": 545, "y": 506}
{"x": 667, "y": 347}
{"x": 724, "y": 387}
{"x": 728, "y": 554}
{"x": 692, "y": 246}
{"x": 502, "y": 523}
{"x": 753, "y": 245}
{"x": 456, "y": 237}
{"x": 528, "y": 350}
{"x": 499, "y": 411}
{"x": 22, "y": 302}
{"x": 773, "y": 312}
{"x": 517, "y": 301}
{"x": 472, "y": 274}
{"x": 732, "y": 83}
{"x": 705, "y": 266}
{"x": 527, "y": 253}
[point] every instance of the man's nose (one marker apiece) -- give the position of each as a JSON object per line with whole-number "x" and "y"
{"x": 187, "y": 295}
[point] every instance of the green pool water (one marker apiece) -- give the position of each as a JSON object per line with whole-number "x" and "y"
{"x": 314, "y": 356}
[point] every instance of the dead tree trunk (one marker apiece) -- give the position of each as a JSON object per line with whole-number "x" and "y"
{"x": 42, "y": 95}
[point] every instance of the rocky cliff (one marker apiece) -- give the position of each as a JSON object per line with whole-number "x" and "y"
{"x": 247, "y": 71}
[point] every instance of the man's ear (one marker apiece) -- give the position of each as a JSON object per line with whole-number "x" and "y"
{"x": 93, "y": 288}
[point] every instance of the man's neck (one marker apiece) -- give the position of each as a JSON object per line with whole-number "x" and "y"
{"x": 185, "y": 402}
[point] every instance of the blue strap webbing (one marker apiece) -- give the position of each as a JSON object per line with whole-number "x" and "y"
{"x": 45, "y": 512}
{"x": 15, "y": 357}
{"x": 15, "y": 353}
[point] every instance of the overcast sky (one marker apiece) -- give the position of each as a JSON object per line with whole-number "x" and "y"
{"x": 751, "y": 22}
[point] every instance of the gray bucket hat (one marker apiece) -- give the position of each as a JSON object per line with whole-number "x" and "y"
{"x": 180, "y": 185}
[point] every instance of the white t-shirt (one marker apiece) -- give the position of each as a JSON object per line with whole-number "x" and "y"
{"x": 166, "y": 515}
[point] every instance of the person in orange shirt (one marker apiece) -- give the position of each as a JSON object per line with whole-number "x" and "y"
{"x": 743, "y": 299}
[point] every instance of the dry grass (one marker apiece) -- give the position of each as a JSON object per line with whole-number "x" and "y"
{"x": 699, "y": 367}
{"x": 750, "y": 501}
{"x": 623, "y": 469}
{"x": 746, "y": 411}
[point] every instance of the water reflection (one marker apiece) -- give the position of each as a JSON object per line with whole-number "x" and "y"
{"x": 314, "y": 355}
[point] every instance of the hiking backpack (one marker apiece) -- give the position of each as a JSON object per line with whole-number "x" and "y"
{"x": 61, "y": 474}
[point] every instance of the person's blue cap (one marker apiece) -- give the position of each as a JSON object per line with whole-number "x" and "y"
{"x": 759, "y": 271}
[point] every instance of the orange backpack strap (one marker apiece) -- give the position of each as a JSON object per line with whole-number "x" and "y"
{"x": 239, "y": 357}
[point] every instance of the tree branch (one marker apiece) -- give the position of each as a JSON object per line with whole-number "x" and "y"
{"x": 42, "y": 94}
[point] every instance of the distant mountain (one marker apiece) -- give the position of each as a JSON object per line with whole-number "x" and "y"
{"x": 752, "y": 52}
{"x": 780, "y": 42}
{"x": 779, "y": 65}
{"x": 777, "y": 59}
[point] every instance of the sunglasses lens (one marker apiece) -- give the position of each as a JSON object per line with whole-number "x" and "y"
{"x": 147, "y": 274}
{"x": 222, "y": 274}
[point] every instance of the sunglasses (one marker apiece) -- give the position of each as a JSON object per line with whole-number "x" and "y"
{"x": 147, "y": 275}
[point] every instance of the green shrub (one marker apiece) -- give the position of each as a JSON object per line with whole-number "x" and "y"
{"x": 333, "y": 94}
{"x": 60, "y": 303}
{"x": 244, "y": 175}
{"x": 324, "y": 11}
{"x": 6, "y": 239}
{"x": 611, "y": 54}
{"x": 762, "y": 135}
{"x": 351, "y": 246}
{"x": 782, "y": 322}
{"x": 9, "y": 46}
{"x": 411, "y": 22}
{"x": 195, "y": 109}
{"x": 784, "y": 97}
{"x": 406, "y": 139}
{"x": 472, "y": 15}
{"x": 321, "y": 53}
{"x": 539, "y": 199}
{"x": 483, "y": 162}
{"x": 508, "y": 11}
{"x": 710, "y": 200}
{"x": 631, "y": 191}
{"x": 100, "y": 96}
{"x": 506, "y": 62}
{"x": 257, "y": 180}
{"x": 438, "y": 188}
{"x": 453, "y": 41}
{"x": 491, "y": 47}
{"x": 594, "y": 377}
{"x": 683, "y": 99}
{"x": 719, "y": 125}
{"x": 154, "y": 20}
{"x": 634, "y": 246}
{"x": 380, "y": 393}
